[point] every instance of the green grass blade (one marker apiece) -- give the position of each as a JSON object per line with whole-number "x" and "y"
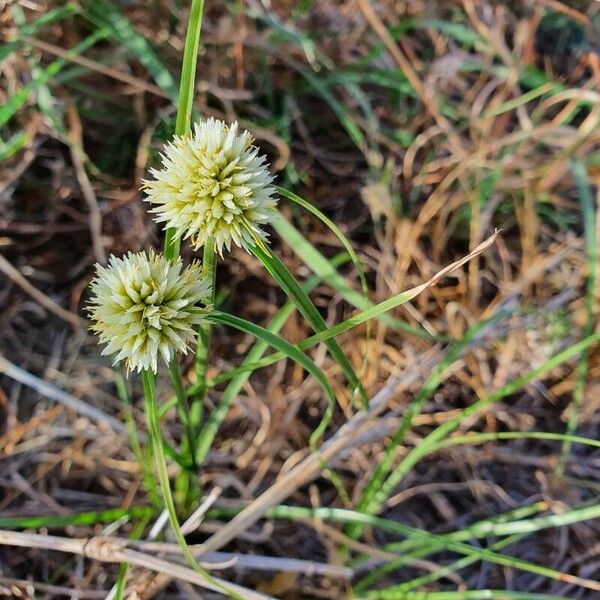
{"x": 462, "y": 535}
{"x": 394, "y": 594}
{"x": 142, "y": 455}
{"x": 464, "y": 35}
{"x": 345, "y": 243}
{"x": 121, "y": 582}
{"x": 446, "y": 570}
{"x": 289, "y": 350}
{"x": 348, "y": 123}
{"x": 430, "y": 385}
{"x": 163, "y": 477}
{"x": 13, "y": 145}
{"x": 307, "y": 309}
{"x": 348, "y": 516}
{"x": 28, "y": 29}
{"x": 319, "y": 264}
{"x": 589, "y": 226}
{"x": 217, "y": 415}
{"x": 442, "y": 431}
{"x": 84, "y": 519}
{"x": 187, "y": 83}
{"x": 204, "y": 339}
{"x": 424, "y": 550}
{"x": 479, "y": 529}
{"x": 411, "y": 548}
{"x": 183, "y": 411}
{"x": 16, "y": 100}
{"x": 481, "y": 438}
{"x": 335, "y": 230}
{"x": 185, "y": 101}
{"x": 375, "y": 311}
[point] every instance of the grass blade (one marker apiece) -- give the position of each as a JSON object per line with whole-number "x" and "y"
{"x": 217, "y": 415}
{"x": 375, "y": 311}
{"x": 163, "y": 477}
{"x": 307, "y": 309}
{"x": 16, "y": 100}
{"x": 319, "y": 264}
{"x": 334, "y": 228}
{"x": 289, "y": 350}
{"x": 84, "y": 519}
{"x": 28, "y": 29}
{"x": 187, "y": 84}
{"x": 431, "y": 384}
{"x": 589, "y": 226}
{"x": 394, "y": 594}
{"x": 142, "y": 455}
{"x": 339, "y": 515}
{"x": 105, "y": 14}
{"x": 442, "y": 431}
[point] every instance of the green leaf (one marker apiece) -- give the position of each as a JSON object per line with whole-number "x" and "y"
{"x": 392, "y": 594}
{"x": 13, "y": 145}
{"x": 289, "y": 350}
{"x": 588, "y": 210}
{"x": 234, "y": 387}
{"x": 318, "y": 264}
{"x": 29, "y": 29}
{"x": 334, "y": 228}
{"x": 373, "y": 312}
{"x": 307, "y": 309}
{"x": 81, "y": 519}
{"x": 427, "y": 390}
{"x": 429, "y": 442}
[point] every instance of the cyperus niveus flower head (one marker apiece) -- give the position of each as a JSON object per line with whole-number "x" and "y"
{"x": 144, "y": 306}
{"x": 213, "y": 184}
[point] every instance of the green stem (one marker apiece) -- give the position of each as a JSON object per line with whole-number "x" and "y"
{"x": 188, "y": 69}
{"x": 209, "y": 267}
{"x": 184, "y": 412}
{"x": 163, "y": 476}
{"x": 172, "y": 244}
{"x": 588, "y": 210}
{"x": 187, "y": 86}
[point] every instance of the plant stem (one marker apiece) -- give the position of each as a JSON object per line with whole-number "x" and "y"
{"x": 187, "y": 86}
{"x": 183, "y": 409}
{"x": 172, "y": 243}
{"x": 161, "y": 467}
{"x": 209, "y": 266}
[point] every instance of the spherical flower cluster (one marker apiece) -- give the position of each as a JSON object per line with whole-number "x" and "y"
{"x": 144, "y": 305}
{"x": 213, "y": 184}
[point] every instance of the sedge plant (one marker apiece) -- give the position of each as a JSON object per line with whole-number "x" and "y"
{"x": 212, "y": 190}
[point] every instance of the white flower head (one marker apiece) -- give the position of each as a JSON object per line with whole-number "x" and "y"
{"x": 144, "y": 305}
{"x": 213, "y": 184}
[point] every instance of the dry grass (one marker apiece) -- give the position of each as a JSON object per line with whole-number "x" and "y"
{"x": 418, "y": 153}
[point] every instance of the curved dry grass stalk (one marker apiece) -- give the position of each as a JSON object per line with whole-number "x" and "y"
{"x": 66, "y": 315}
{"x": 53, "y": 393}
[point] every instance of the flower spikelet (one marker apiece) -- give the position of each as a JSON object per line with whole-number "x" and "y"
{"x": 144, "y": 305}
{"x": 213, "y": 184}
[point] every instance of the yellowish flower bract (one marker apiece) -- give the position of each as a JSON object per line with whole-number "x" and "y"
{"x": 144, "y": 305}
{"x": 213, "y": 184}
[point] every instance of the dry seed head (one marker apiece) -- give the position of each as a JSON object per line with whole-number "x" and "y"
{"x": 213, "y": 184}
{"x": 143, "y": 305}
